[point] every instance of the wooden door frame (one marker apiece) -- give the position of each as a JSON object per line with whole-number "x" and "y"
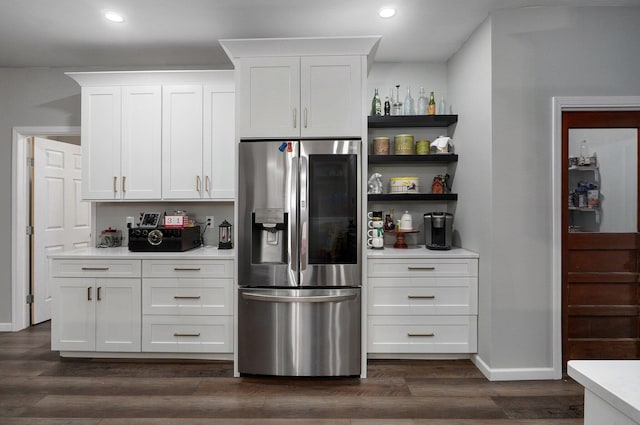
{"x": 562, "y": 104}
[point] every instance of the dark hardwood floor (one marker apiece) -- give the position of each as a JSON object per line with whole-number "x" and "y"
{"x": 38, "y": 387}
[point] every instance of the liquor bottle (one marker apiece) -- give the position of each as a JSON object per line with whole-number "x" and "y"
{"x": 431, "y": 108}
{"x": 397, "y": 105}
{"x": 376, "y": 106}
{"x": 408, "y": 103}
{"x": 387, "y": 106}
{"x": 422, "y": 103}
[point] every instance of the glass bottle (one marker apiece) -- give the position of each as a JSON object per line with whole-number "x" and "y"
{"x": 443, "y": 106}
{"x": 408, "y": 103}
{"x": 387, "y": 106}
{"x": 584, "y": 153}
{"x": 397, "y": 105}
{"x": 376, "y": 106}
{"x": 422, "y": 103}
{"x": 431, "y": 107}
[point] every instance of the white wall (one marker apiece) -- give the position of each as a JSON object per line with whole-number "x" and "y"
{"x": 539, "y": 53}
{"x": 469, "y": 76}
{"x": 28, "y": 97}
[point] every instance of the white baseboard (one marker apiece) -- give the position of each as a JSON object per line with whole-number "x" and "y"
{"x": 6, "y": 327}
{"x": 514, "y": 374}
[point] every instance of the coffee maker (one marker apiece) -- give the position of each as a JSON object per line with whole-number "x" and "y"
{"x": 438, "y": 228}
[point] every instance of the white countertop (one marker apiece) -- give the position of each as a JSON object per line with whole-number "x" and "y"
{"x": 615, "y": 381}
{"x": 123, "y": 253}
{"x": 419, "y": 251}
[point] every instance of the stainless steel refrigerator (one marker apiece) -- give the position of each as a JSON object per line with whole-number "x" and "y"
{"x": 299, "y": 248}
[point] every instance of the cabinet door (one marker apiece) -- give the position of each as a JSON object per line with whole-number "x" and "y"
{"x": 219, "y": 143}
{"x": 73, "y": 314}
{"x": 141, "y": 142}
{"x": 100, "y": 133}
{"x": 331, "y": 96}
{"x": 118, "y": 315}
{"x": 269, "y": 97}
{"x": 182, "y": 142}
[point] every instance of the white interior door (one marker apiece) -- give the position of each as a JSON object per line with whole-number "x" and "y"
{"x": 61, "y": 221}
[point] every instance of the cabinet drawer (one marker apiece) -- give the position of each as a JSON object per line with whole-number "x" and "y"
{"x": 422, "y": 334}
{"x": 95, "y": 268}
{"x": 187, "y": 297}
{"x": 187, "y": 268}
{"x": 187, "y": 334}
{"x": 399, "y": 267}
{"x": 423, "y": 296}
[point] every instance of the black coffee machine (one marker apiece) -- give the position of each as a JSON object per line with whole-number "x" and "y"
{"x": 438, "y": 228}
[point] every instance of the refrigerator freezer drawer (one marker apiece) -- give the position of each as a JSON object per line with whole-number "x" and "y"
{"x": 299, "y": 332}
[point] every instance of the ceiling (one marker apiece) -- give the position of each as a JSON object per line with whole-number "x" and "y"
{"x": 185, "y": 33}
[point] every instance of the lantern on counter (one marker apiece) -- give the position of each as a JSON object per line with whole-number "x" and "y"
{"x": 224, "y": 235}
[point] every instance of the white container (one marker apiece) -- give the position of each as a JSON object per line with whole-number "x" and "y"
{"x": 404, "y": 185}
{"x": 406, "y": 223}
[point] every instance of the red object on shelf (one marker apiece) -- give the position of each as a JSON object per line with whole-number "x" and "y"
{"x": 400, "y": 237}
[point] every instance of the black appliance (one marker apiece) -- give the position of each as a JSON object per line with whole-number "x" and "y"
{"x": 164, "y": 239}
{"x": 438, "y": 229}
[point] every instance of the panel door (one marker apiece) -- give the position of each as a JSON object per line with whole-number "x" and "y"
{"x": 269, "y": 97}
{"x": 601, "y": 239}
{"x": 331, "y": 96}
{"x": 73, "y": 314}
{"x": 61, "y": 219}
{"x": 219, "y": 143}
{"x": 118, "y": 315}
{"x": 141, "y": 143}
{"x": 100, "y": 133}
{"x": 182, "y": 142}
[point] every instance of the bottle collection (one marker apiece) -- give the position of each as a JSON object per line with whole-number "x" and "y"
{"x": 425, "y": 105}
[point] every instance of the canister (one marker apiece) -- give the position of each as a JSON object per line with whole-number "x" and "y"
{"x": 423, "y": 147}
{"x": 404, "y": 185}
{"x": 403, "y": 144}
{"x": 381, "y": 146}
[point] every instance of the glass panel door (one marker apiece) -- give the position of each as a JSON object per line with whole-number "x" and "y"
{"x": 333, "y": 209}
{"x": 602, "y": 180}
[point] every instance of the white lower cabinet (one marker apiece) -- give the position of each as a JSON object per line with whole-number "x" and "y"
{"x": 187, "y": 306}
{"x": 422, "y": 305}
{"x": 93, "y": 311}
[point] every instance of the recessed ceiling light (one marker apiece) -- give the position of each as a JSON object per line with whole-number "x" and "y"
{"x": 387, "y": 12}
{"x": 114, "y": 17}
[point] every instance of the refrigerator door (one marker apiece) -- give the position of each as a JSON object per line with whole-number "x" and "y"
{"x": 330, "y": 211}
{"x": 299, "y": 332}
{"x": 267, "y": 213}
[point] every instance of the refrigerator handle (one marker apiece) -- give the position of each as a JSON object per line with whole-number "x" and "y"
{"x": 304, "y": 214}
{"x": 293, "y": 222}
{"x": 298, "y": 298}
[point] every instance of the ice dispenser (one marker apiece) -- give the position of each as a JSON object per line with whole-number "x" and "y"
{"x": 269, "y": 236}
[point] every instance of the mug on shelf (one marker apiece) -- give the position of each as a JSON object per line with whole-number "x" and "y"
{"x": 372, "y": 214}
{"x": 375, "y": 242}
{"x": 375, "y": 224}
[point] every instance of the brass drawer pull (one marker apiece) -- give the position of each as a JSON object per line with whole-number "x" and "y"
{"x": 420, "y": 268}
{"x": 187, "y": 269}
{"x": 115, "y": 184}
{"x": 412, "y": 334}
{"x": 95, "y": 268}
{"x": 184, "y": 297}
{"x": 181, "y": 334}
{"x": 421, "y": 297}
{"x": 99, "y": 293}
{"x": 89, "y": 294}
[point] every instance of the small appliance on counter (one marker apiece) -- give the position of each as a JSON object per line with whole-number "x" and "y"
{"x": 164, "y": 239}
{"x": 438, "y": 230}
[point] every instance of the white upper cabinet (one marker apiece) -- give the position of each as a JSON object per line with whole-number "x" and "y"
{"x": 301, "y": 96}
{"x": 198, "y": 136}
{"x": 331, "y": 96}
{"x": 120, "y": 143}
{"x": 301, "y": 87}
{"x": 182, "y": 142}
{"x": 153, "y": 135}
